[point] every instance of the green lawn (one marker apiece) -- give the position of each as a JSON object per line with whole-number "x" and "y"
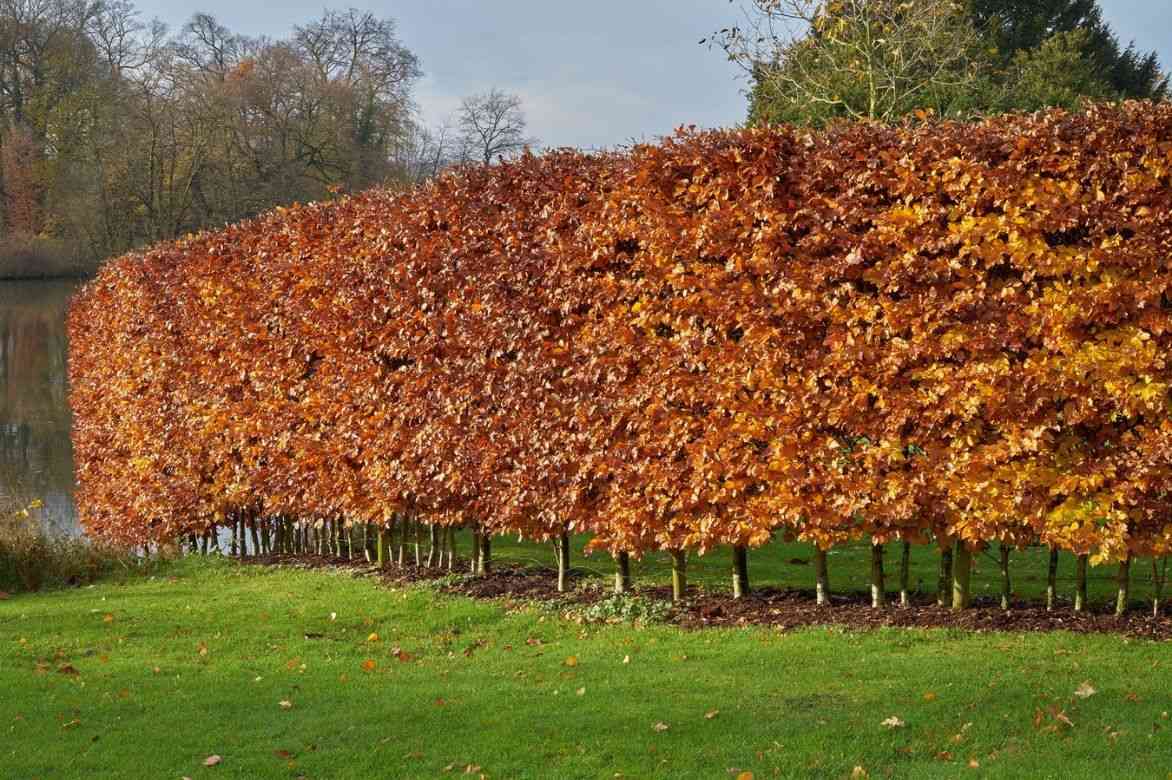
{"x": 197, "y": 660}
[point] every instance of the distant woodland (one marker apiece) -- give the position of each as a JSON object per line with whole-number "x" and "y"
{"x": 116, "y": 132}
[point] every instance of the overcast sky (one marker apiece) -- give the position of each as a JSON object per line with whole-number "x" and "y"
{"x": 591, "y": 73}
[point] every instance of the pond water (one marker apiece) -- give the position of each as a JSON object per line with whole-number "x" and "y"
{"x": 36, "y": 456}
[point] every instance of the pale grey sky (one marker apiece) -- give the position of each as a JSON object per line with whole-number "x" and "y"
{"x": 591, "y": 73}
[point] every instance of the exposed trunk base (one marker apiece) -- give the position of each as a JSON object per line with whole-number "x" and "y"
{"x": 821, "y": 577}
{"x": 1006, "y": 584}
{"x": 905, "y": 575}
{"x": 1124, "y": 594}
{"x": 1159, "y": 579}
{"x": 622, "y": 575}
{"x": 740, "y": 577}
{"x": 878, "y": 585}
{"x": 944, "y": 580}
{"x": 962, "y": 572}
{"x": 1052, "y": 580}
{"x": 1080, "y": 589}
{"x": 679, "y": 574}
{"x": 562, "y": 553}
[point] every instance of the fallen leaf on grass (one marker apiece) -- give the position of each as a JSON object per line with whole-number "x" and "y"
{"x": 1085, "y": 691}
{"x": 71, "y": 724}
{"x": 581, "y": 691}
{"x": 929, "y": 696}
{"x": 711, "y": 714}
{"x": 893, "y": 723}
{"x": 572, "y": 660}
{"x": 107, "y": 618}
{"x": 974, "y": 763}
{"x": 369, "y": 665}
{"x": 212, "y": 761}
{"x": 661, "y": 726}
{"x": 285, "y": 704}
{"x": 68, "y": 670}
{"x": 284, "y": 755}
{"x": 626, "y": 659}
{"x": 858, "y": 773}
{"x": 745, "y": 776}
{"x": 401, "y": 654}
{"x": 372, "y": 638}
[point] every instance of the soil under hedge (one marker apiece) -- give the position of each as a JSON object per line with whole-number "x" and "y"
{"x": 782, "y": 609}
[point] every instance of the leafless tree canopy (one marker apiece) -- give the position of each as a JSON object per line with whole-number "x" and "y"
{"x": 491, "y": 126}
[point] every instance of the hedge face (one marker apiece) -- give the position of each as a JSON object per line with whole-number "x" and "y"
{"x": 945, "y": 331}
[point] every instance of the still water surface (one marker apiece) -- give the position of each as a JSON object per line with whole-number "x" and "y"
{"x": 36, "y": 457}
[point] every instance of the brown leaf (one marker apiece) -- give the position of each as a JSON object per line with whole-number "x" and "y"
{"x": 68, "y": 670}
{"x": 369, "y": 665}
{"x": 572, "y": 660}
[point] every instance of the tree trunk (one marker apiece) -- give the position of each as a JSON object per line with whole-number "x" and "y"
{"x": 485, "y": 563}
{"x": 740, "y": 577}
{"x": 475, "y": 564}
{"x": 433, "y": 544}
{"x": 255, "y": 538}
{"x": 562, "y": 552}
{"x": 204, "y": 546}
{"x": 821, "y": 577}
{"x": 1159, "y": 578}
{"x": 1081, "y": 585}
{"x": 1080, "y": 579}
{"x": 1124, "y": 582}
{"x": 622, "y": 575}
{"x": 1052, "y": 579}
{"x": 679, "y": 574}
{"x": 1006, "y": 584}
{"x": 381, "y": 550}
{"x": 451, "y": 548}
{"x": 403, "y": 524}
{"x": 878, "y": 584}
{"x": 905, "y": 575}
{"x": 418, "y": 542}
{"x": 962, "y": 573}
{"x": 233, "y": 545}
{"x": 944, "y": 581}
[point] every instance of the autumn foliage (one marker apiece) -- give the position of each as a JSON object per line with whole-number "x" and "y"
{"x": 940, "y": 331}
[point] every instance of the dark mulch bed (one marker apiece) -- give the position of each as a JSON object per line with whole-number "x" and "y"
{"x": 782, "y": 609}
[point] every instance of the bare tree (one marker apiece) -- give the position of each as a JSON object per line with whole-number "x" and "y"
{"x": 861, "y": 59}
{"x": 491, "y": 125}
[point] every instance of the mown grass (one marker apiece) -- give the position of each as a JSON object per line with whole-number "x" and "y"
{"x": 149, "y": 677}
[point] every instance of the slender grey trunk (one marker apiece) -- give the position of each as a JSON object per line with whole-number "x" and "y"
{"x": 1080, "y": 584}
{"x": 679, "y": 574}
{"x": 485, "y": 563}
{"x": 1052, "y": 579}
{"x": 622, "y": 575}
{"x": 962, "y": 572}
{"x": 1124, "y": 582}
{"x": 1159, "y": 578}
{"x": 1006, "y": 584}
{"x": 821, "y": 577}
{"x": 878, "y": 583}
{"x": 905, "y": 575}
{"x": 944, "y": 580}
{"x": 740, "y": 576}
{"x": 562, "y": 553}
